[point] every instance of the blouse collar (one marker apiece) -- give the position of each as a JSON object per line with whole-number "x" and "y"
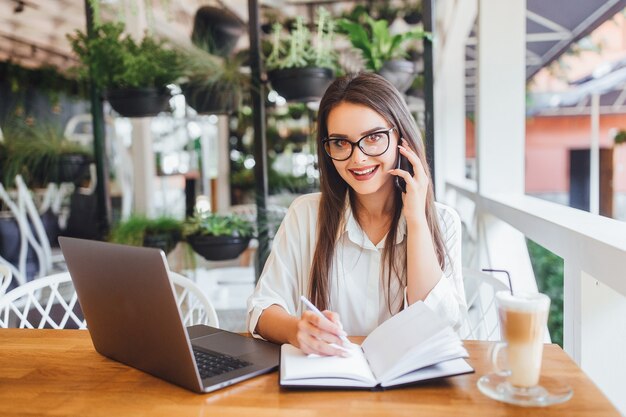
{"x": 358, "y": 236}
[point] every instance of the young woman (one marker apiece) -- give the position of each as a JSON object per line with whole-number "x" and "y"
{"x": 362, "y": 249}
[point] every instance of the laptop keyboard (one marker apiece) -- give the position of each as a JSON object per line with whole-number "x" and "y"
{"x": 211, "y": 363}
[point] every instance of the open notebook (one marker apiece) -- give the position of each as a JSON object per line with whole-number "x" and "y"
{"x": 414, "y": 345}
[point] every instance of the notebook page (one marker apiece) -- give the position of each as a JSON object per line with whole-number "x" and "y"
{"x": 296, "y": 365}
{"x": 390, "y": 341}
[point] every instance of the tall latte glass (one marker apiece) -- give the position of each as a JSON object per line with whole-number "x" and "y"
{"x": 523, "y": 319}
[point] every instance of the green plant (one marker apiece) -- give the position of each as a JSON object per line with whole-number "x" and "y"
{"x": 620, "y": 137}
{"x": 134, "y": 230}
{"x": 376, "y": 43}
{"x": 211, "y": 224}
{"x": 300, "y": 48}
{"x": 201, "y": 68}
{"x": 34, "y": 152}
{"x": 548, "y": 269}
{"x": 111, "y": 59}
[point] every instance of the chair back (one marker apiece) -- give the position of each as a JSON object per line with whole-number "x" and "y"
{"x": 6, "y": 275}
{"x": 45, "y": 303}
{"x": 482, "y": 312}
{"x": 193, "y": 305}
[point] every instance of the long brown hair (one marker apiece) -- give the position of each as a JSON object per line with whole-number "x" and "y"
{"x": 375, "y": 92}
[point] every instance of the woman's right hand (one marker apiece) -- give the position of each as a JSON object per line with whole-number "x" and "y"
{"x": 316, "y": 335}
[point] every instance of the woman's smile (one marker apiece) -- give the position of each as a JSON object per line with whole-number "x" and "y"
{"x": 364, "y": 173}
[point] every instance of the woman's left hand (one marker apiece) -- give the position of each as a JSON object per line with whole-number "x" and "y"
{"x": 414, "y": 200}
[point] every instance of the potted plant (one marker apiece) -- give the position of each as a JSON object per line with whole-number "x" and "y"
{"x": 212, "y": 84}
{"x": 41, "y": 154}
{"x": 217, "y": 28}
{"x": 413, "y": 12}
{"x": 301, "y": 66}
{"x": 382, "y": 52}
{"x": 218, "y": 237}
{"x": 162, "y": 233}
{"x": 620, "y": 137}
{"x": 133, "y": 75}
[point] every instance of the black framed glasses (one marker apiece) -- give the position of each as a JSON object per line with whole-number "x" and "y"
{"x": 372, "y": 144}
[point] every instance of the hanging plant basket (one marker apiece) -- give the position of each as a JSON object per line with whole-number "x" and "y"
{"x": 217, "y": 28}
{"x": 162, "y": 240}
{"x": 139, "y": 102}
{"x": 298, "y": 137}
{"x": 73, "y": 166}
{"x": 301, "y": 84}
{"x": 399, "y": 72}
{"x": 413, "y": 17}
{"x": 211, "y": 99}
{"x": 218, "y": 248}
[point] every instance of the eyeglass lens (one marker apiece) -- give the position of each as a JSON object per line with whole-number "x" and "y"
{"x": 374, "y": 144}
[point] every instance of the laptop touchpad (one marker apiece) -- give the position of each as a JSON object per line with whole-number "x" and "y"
{"x": 229, "y": 343}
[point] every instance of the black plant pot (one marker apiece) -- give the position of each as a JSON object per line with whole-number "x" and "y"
{"x": 72, "y": 167}
{"x": 211, "y": 100}
{"x": 218, "y": 248}
{"x": 163, "y": 240}
{"x": 301, "y": 84}
{"x": 139, "y": 102}
{"x": 413, "y": 17}
{"x": 299, "y": 138}
{"x": 217, "y": 29}
{"x": 399, "y": 72}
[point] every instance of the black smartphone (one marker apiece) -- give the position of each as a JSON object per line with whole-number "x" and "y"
{"x": 403, "y": 164}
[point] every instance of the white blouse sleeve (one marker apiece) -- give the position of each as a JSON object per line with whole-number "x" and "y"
{"x": 283, "y": 278}
{"x": 447, "y": 298}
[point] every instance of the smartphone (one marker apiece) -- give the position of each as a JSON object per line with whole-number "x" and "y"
{"x": 403, "y": 164}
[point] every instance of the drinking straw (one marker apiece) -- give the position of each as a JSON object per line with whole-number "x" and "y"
{"x": 503, "y": 271}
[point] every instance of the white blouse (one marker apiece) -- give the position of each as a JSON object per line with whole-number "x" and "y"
{"x": 357, "y": 291}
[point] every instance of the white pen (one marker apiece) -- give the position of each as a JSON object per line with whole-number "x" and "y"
{"x": 319, "y": 313}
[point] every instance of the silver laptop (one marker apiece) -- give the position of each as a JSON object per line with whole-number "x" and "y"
{"x": 132, "y": 316}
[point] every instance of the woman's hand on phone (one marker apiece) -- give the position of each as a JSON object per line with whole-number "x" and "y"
{"x": 414, "y": 200}
{"x": 316, "y": 335}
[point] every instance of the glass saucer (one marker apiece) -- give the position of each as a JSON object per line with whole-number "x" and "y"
{"x": 550, "y": 392}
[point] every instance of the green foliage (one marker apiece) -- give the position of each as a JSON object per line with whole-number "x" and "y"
{"x": 217, "y": 225}
{"x": 34, "y": 152}
{"x": 204, "y": 69}
{"x": 133, "y": 231}
{"x": 300, "y": 49}
{"x": 376, "y": 43}
{"x": 620, "y": 137}
{"x": 548, "y": 270}
{"x": 111, "y": 59}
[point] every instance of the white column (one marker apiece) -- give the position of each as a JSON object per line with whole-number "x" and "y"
{"x": 500, "y": 128}
{"x": 594, "y": 155}
{"x": 223, "y": 165}
{"x": 456, "y": 20}
{"x": 501, "y": 96}
{"x": 142, "y": 154}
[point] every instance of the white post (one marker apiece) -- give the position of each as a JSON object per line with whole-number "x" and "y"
{"x": 223, "y": 165}
{"x": 500, "y": 128}
{"x": 142, "y": 154}
{"x": 501, "y": 95}
{"x": 449, "y": 59}
{"x": 594, "y": 155}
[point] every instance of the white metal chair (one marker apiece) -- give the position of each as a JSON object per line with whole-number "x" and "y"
{"x": 482, "y": 313}
{"x": 194, "y": 306}
{"x": 6, "y": 275}
{"x": 48, "y": 302}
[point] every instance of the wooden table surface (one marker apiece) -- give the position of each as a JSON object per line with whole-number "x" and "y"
{"x": 58, "y": 372}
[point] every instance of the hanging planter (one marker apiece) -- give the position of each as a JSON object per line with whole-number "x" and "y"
{"x": 218, "y": 248}
{"x": 217, "y": 237}
{"x": 301, "y": 84}
{"x": 72, "y": 166}
{"x": 399, "y": 72}
{"x": 211, "y": 99}
{"x": 218, "y": 29}
{"x": 139, "y": 102}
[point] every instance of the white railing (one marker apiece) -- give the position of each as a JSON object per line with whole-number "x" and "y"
{"x": 593, "y": 249}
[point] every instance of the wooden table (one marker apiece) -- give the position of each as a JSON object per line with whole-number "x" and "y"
{"x": 58, "y": 372}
